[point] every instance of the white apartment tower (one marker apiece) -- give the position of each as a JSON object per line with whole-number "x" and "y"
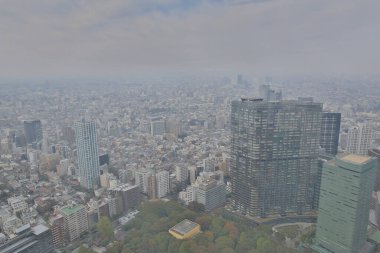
{"x": 163, "y": 186}
{"x": 87, "y": 149}
{"x": 359, "y": 139}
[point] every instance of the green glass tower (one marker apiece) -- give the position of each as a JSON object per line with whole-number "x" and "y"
{"x": 344, "y": 203}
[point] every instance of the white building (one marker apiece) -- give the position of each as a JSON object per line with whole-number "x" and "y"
{"x": 189, "y": 195}
{"x": 87, "y": 149}
{"x": 76, "y": 221}
{"x": 142, "y": 180}
{"x": 157, "y": 127}
{"x": 359, "y": 139}
{"x": 18, "y": 204}
{"x": 163, "y": 183}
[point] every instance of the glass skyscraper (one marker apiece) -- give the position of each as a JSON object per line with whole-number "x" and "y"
{"x": 87, "y": 150}
{"x": 274, "y": 158}
{"x": 330, "y": 129}
{"x": 344, "y": 203}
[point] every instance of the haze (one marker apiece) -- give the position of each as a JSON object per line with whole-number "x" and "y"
{"x": 97, "y": 37}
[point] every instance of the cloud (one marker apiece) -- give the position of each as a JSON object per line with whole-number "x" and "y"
{"x": 85, "y": 37}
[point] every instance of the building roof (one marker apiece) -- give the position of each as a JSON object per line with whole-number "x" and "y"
{"x": 184, "y": 227}
{"x": 70, "y": 210}
{"x": 357, "y": 159}
{"x": 39, "y": 229}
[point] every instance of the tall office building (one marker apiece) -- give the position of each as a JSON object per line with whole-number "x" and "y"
{"x": 344, "y": 204}
{"x": 87, "y": 149}
{"x": 267, "y": 94}
{"x": 33, "y": 131}
{"x": 376, "y": 153}
{"x": 359, "y": 139}
{"x": 274, "y": 158}
{"x": 330, "y": 128}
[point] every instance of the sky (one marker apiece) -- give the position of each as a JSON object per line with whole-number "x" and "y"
{"x": 122, "y": 37}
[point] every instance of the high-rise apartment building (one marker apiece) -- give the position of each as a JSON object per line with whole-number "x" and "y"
{"x": 76, "y": 221}
{"x": 359, "y": 139}
{"x": 330, "y": 128}
{"x": 87, "y": 149}
{"x": 163, "y": 183}
{"x": 344, "y": 204}
{"x": 274, "y": 158}
{"x": 33, "y": 131}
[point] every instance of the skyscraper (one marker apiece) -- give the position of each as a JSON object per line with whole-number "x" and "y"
{"x": 376, "y": 153}
{"x": 330, "y": 128}
{"x": 345, "y": 199}
{"x": 359, "y": 139}
{"x": 87, "y": 149}
{"x": 33, "y": 131}
{"x": 274, "y": 156}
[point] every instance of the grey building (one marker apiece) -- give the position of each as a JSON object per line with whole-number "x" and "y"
{"x": 330, "y": 128}
{"x": 33, "y": 131}
{"x": 376, "y": 153}
{"x": 87, "y": 149}
{"x": 30, "y": 240}
{"x": 210, "y": 193}
{"x": 274, "y": 156}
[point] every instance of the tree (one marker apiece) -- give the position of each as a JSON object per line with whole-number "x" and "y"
{"x": 196, "y": 207}
{"x": 104, "y": 228}
{"x": 223, "y": 242}
{"x": 83, "y": 249}
{"x": 204, "y": 221}
{"x": 232, "y": 230}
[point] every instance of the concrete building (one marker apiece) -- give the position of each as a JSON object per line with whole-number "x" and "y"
{"x": 76, "y": 221}
{"x": 344, "y": 204}
{"x": 209, "y": 192}
{"x": 185, "y": 229}
{"x": 157, "y": 127}
{"x": 182, "y": 176}
{"x": 274, "y": 155}
{"x": 189, "y": 195}
{"x": 359, "y": 139}
{"x": 33, "y": 131}
{"x": 87, "y": 149}
{"x": 163, "y": 183}
{"x": 30, "y": 240}
{"x": 330, "y": 128}
{"x": 142, "y": 180}
{"x": 129, "y": 196}
{"x": 57, "y": 226}
{"x": 18, "y": 204}
{"x": 376, "y": 154}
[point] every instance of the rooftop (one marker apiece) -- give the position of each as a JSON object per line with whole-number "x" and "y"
{"x": 68, "y": 210}
{"x": 184, "y": 227}
{"x": 357, "y": 159}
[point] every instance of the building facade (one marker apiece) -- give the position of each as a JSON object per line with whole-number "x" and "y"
{"x": 76, "y": 221}
{"x": 33, "y": 131}
{"x": 376, "y": 154}
{"x": 87, "y": 149}
{"x": 163, "y": 183}
{"x": 330, "y": 128}
{"x": 359, "y": 139}
{"x": 274, "y": 156}
{"x": 344, "y": 204}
